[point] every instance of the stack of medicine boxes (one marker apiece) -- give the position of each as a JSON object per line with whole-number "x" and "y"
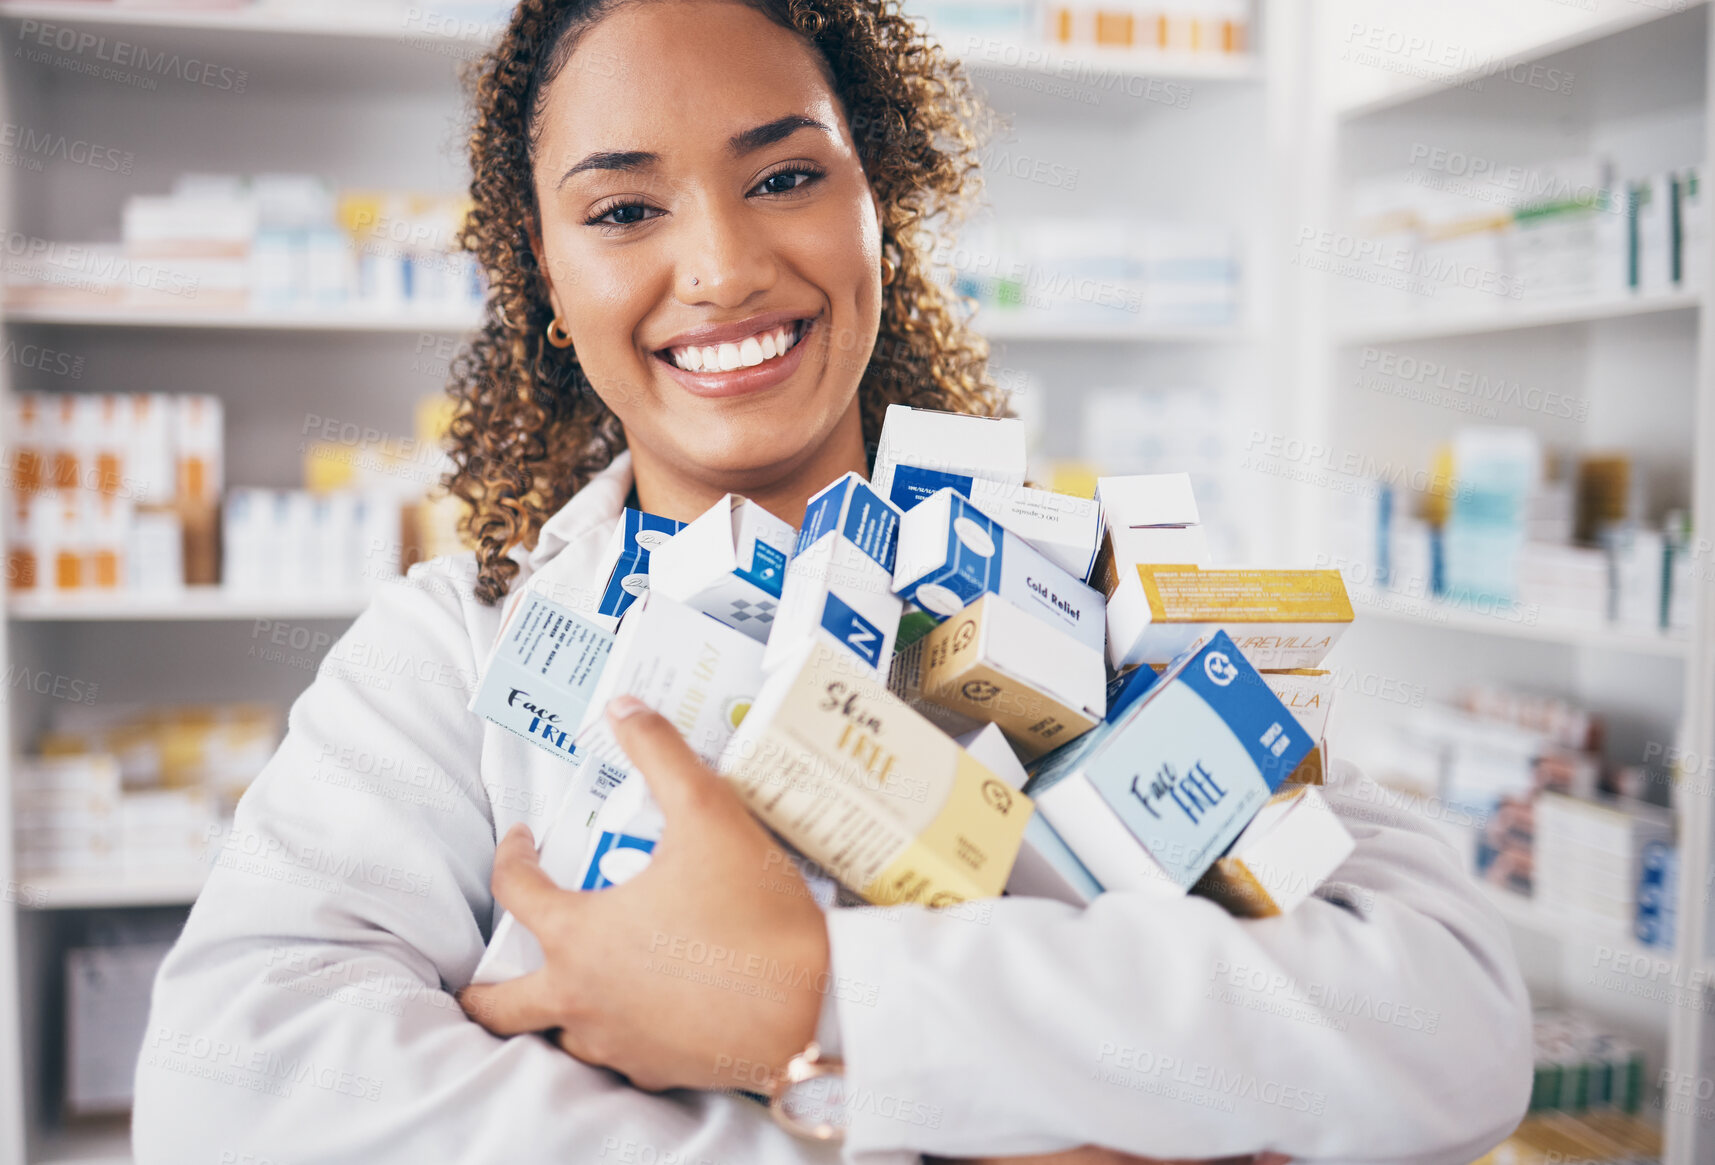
{"x": 946, "y": 685}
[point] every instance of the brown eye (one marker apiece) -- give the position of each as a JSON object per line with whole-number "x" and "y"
{"x": 786, "y": 181}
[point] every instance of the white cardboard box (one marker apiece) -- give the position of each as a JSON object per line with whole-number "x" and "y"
{"x": 729, "y": 564}
{"x": 951, "y": 554}
{"x": 993, "y": 662}
{"x": 1291, "y": 847}
{"x": 950, "y": 446}
{"x": 1147, "y": 518}
{"x": 839, "y": 583}
{"x": 542, "y": 673}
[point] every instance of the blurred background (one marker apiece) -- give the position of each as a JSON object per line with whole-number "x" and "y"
{"x": 1413, "y": 288}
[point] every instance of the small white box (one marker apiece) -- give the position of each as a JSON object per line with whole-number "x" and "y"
{"x": 729, "y": 564}
{"x": 839, "y": 584}
{"x": 1308, "y": 694}
{"x": 951, "y": 554}
{"x": 1066, "y": 529}
{"x": 1291, "y": 847}
{"x": 1147, "y": 518}
{"x": 944, "y": 449}
{"x": 1045, "y": 867}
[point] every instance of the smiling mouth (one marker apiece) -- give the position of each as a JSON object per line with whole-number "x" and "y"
{"x": 766, "y": 345}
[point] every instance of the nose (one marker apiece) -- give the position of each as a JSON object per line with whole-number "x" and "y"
{"x": 726, "y": 258}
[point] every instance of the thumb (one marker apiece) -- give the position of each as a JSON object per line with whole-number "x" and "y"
{"x": 677, "y": 777}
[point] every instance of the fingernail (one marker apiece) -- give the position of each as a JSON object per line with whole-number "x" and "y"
{"x": 625, "y": 707}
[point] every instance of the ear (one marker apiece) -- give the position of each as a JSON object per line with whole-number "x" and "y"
{"x": 533, "y": 231}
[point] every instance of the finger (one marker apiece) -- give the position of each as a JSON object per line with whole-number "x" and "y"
{"x": 522, "y": 886}
{"x": 511, "y": 1008}
{"x": 678, "y": 778}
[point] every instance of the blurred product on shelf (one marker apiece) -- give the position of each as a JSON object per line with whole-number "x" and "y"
{"x": 1220, "y": 27}
{"x": 1590, "y": 857}
{"x": 113, "y": 491}
{"x": 1501, "y": 527}
{"x": 1456, "y": 229}
{"x": 1096, "y": 273}
{"x": 1580, "y": 1067}
{"x": 268, "y": 243}
{"x": 136, "y": 792}
{"x": 1657, "y": 922}
{"x": 118, "y": 492}
{"x": 107, "y": 991}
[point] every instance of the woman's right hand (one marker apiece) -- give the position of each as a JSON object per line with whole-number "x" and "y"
{"x": 1096, "y": 1155}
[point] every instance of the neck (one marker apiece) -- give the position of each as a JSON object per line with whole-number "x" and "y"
{"x": 675, "y": 491}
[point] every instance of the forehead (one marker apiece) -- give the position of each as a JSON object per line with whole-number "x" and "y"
{"x": 655, "y": 71}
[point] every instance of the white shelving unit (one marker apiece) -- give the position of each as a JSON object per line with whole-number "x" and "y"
{"x": 388, "y": 82}
{"x": 1644, "y": 365}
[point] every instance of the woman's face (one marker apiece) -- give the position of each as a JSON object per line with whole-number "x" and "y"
{"x": 710, "y": 239}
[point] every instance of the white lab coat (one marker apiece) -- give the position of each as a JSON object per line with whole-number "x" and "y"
{"x": 306, "y": 1013}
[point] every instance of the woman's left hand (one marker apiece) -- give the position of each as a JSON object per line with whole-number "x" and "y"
{"x": 706, "y": 970}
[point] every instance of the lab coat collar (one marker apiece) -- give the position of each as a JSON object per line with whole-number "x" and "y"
{"x": 592, "y": 509}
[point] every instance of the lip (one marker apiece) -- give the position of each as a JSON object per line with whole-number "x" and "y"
{"x": 742, "y": 381}
{"x": 711, "y": 334}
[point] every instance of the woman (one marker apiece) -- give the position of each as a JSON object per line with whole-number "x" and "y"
{"x": 706, "y": 225}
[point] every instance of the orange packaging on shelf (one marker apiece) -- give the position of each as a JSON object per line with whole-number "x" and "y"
{"x": 201, "y": 523}
{"x": 197, "y": 437}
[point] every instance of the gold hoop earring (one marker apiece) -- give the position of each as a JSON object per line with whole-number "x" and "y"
{"x": 557, "y": 334}
{"x": 889, "y": 270}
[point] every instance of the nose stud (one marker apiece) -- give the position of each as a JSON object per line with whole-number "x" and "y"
{"x": 693, "y": 281}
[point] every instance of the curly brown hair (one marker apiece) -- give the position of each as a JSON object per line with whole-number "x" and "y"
{"x": 528, "y": 431}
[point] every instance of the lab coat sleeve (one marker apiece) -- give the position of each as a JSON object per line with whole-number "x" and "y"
{"x": 306, "y": 1013}
{"x": 1382, "y": 1021}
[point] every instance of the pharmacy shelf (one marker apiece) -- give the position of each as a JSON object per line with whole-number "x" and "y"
{"x": 301, "y": 19}
{"x": 1618, "y": 18}
{"x": 62, "y": 892}
{"x": 1075, "y": 65}
{"x": 1443, "y": 616}
{"x": 329, "y": 320}
{"x": 192, "y": 605}
{"x": 1509, "y": 317}
{"x": 106, "y": 1144}
{"x": 1014, "y": 328}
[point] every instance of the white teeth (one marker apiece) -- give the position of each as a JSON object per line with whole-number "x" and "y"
{"x": 746, "y": 353}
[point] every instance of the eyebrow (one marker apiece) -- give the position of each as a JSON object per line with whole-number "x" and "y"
{"x": 744, "y": 142}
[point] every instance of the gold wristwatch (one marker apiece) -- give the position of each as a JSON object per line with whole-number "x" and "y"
{"x": 810, "y": 1099}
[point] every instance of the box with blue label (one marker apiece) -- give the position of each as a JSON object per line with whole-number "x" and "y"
{"x": 626, "y": 559}
{"x": 542, "y": 673}
{"x": 839, "y": 583}
{"x": 945, "y": 449}
{"x": 951, "y": 554}
{"x": 1066, "y": 529}
{"x": 1150, "y": 799}
{"x": 729, "y": 564}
